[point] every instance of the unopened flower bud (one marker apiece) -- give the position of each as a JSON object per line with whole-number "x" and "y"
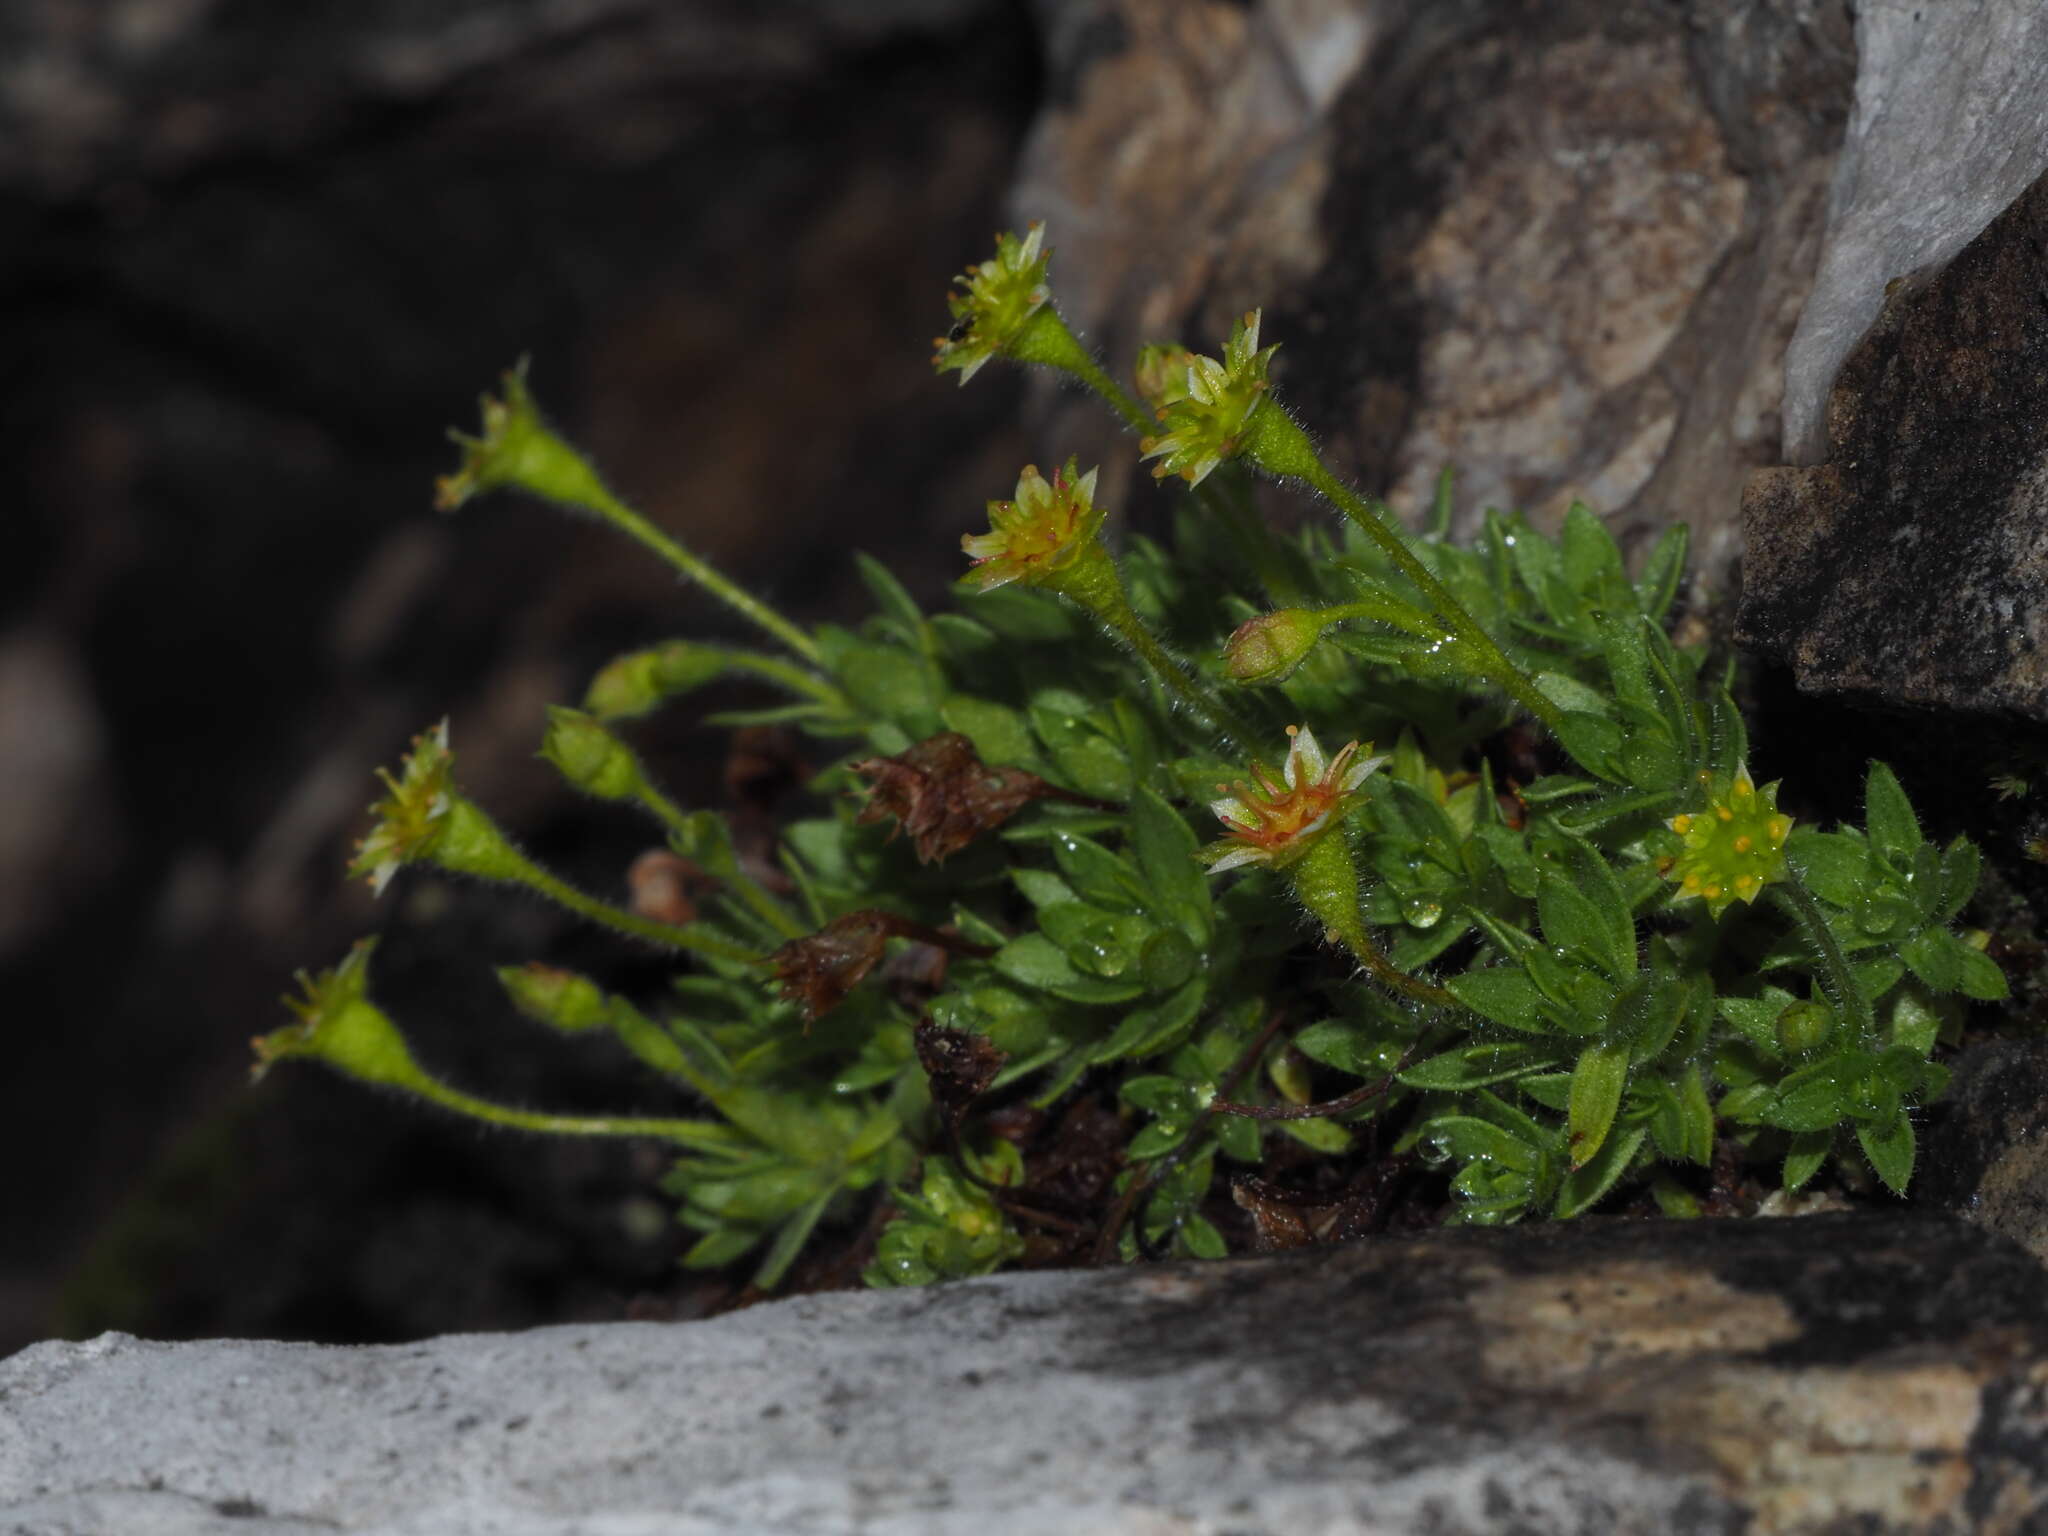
{"x": 557, "y": 998}
{"x": 1804, "y": 1027}
{"x": 639, "y": 681}
{"x": 1268, "y": 649}
{"x": 589, "y": 756}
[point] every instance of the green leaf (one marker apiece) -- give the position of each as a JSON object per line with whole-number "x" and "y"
{"x": 789, "y": 1242}
{"x": 1982, "y": 978}
{"x": 890, "y": 685}
{"x": 1473, "y": 1066}
{"x": 1166, "y": 1097}
{"x": 1098, "y": 875}
{"x": 1036, "y": 961}
{"x": 1573, "y": 921}
{"x": 1553, "y": 1090}
{"x": 1757, "y": 1017}
{"x": 1818, "y": 1097}
{"x": 1168, "y": 959}
{"x": 1835, "y": 865}
{"x": 1658, "y": 585}
{"x": 1174, "y": 879}
{"x": 717, "y": 1249}
{"x": 1959, "y": 866}
{"x": 1804, "y": 1154}
{"x": 1696, "y": 1115}
{"x": 1593, "y": 742}
{"x": 1597, "y": 1083}
{"x": 1589, "y": 1183}
{"x": 1099, "y": 943}
{"x": 1041, "y": 887}
{"x": 1148, "y": 1031}
{"x": 1890, "y": 1150}
{"x": 1888, "y": 814}
{"x": 1592, "y": 561}
{"x": 702, "y": 838}
{"x": 1569, "y": 693}
{"x": 1504, "y": 994}
{"x": 1936, "y": 956}
{"x": 1347, "y": 1047}
{"x": 1000, "y": 735}
{"x": 1468, "y": 1139}
{"x": 887, "y": 591}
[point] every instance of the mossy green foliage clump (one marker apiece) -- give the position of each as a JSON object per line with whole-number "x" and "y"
{"x": 1105, "y": 860}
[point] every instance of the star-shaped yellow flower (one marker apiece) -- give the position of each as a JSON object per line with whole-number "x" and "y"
{"x": 1275, "y": 823}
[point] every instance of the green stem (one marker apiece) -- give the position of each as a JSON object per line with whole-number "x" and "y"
{"x": 1044, "y": 338}
{"x": 664, "y": 935}
{"x": 1326, "y": 883}
{"x": 1226, "y": 495}
{"x": 1840, "y": 981}
{"x": 705, "y": 575}
{"x": 688, "y": 1132}
{"x": 749, "y": 890}
{"x": 1388, "y": 610}
{"x": 1092, "y": 583}
{"x": 1275, "y": 442}
{"x": 795, "y": 679}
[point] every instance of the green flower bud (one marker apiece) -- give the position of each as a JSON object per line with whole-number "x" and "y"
{"x": 1268, "y": 649}
{"x": 1804, "y": 1027}
{"x": 518, "y": 449}
{"x": 339, "y": 1025}
{"x": 1161, "y": 372}
{"x": 557, "y": 998}
{"x": 639, "y": 681}
{"x": 589, "y": 756}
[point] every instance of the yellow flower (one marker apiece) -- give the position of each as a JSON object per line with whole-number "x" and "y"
{"x": 1276, "y": 823}
{"x": 1734, "y": 847}
{"x": 414, "y": 815}
{"x": 1205, "y": 414}
{"x": 1042, "y": 532}
{"x": 1001, "y": 295}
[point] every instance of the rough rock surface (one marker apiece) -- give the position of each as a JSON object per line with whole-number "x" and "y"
{"x": 1561, "y": 246}
{"x": 1986, "y": 1154}
{"x": 1912, "y": 567}
{"x": 1950, "y": 126}
{"x": 1829, "y": 1373}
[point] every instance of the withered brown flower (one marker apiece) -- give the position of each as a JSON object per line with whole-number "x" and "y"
{"x": 959, "y": 1065}
{"x": 945, "y": 796}
{"x": 819, "y": 969}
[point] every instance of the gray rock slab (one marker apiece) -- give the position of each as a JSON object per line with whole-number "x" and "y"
{"x": 1950, "y": 126}
{"x": 1912, "y": 567}
{"x": 1876, "y": 1372}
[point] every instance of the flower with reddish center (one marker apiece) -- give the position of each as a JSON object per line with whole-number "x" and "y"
{"x": 1047, "y": 529}
{"x": 1276, "y": 823}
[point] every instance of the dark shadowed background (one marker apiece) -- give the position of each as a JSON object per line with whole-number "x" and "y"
{"x": 253, "y": 260}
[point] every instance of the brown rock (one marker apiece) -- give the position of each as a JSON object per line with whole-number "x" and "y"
{"x": 1561, "y": 247}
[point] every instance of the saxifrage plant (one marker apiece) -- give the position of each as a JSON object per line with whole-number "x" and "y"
{"x": 1551, "y": 938}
